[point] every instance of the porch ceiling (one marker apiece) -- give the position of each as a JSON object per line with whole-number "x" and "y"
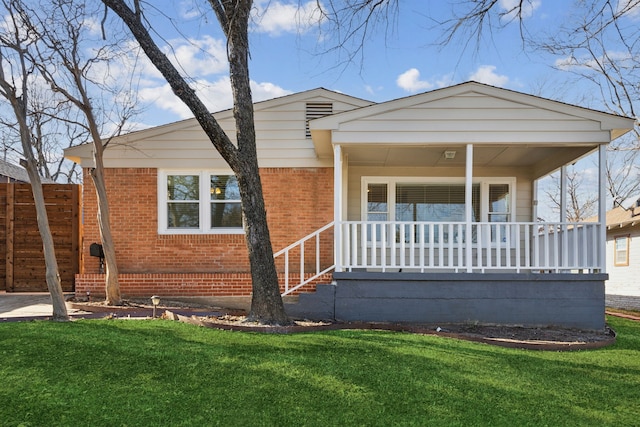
{"x": 539, "y": 159}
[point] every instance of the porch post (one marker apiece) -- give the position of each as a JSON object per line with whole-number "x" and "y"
{"x": 468, "y": 208}
{"x": 564, "y": 230}
{"x": 337, "y": 207}
{"x": 602, "y": 209}
{"x": 563, "y": 194}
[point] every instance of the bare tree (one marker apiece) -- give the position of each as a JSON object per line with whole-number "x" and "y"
{"x": 49, "y": 134}
{"x": 60, "y": 55}
{"x": 16, "y": 75}
{"x": 581, "y": 203}
{"x": 233, "y": 16}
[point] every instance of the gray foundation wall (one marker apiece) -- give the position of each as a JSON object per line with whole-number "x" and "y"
{"x": 567, "y": 300}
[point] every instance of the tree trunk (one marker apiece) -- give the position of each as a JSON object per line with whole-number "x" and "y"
{"x": 51, "y": 263}
{"x": 112, "y": 285}
{"x": 266, "y": 302}
{"x": 266, "y": 305}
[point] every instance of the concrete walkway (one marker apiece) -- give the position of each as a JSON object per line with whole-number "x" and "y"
{"x": 17, "y": 306}
{"x": 624, "y": 302}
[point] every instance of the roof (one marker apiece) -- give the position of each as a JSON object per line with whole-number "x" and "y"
{"x": 17, "y": 173}
{"x": 620, "y": 217}
{"x": 276, "y": 111}
{"x": 616, "y": 124}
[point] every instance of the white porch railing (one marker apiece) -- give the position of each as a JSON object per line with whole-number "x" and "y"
{"x": 437, "y": 246}
{"x": 297, "y": 250}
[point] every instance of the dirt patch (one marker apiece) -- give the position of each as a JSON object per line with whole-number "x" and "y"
{"x": 552, "y": 338}
{"x": 548, "y": 338}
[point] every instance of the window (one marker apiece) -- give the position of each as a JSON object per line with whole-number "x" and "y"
{"x": 431, "y": 200}
{"x": 621, "y": 251}
{"x": 377, "y": 206}
{"x": 200, "y": 202}
{"x": 434, "y": 202}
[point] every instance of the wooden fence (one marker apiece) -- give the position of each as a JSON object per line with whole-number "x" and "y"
{"x": 22, "y": 267}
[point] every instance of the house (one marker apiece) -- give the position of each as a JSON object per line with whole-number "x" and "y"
{"x": 623, "y": 249}
{"x": 13, "y": 173}
{"x": 419, "y": 209}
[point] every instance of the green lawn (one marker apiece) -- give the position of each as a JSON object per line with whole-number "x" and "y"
{"x": 162, "y": 373}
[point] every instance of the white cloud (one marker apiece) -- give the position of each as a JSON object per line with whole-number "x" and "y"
{"x": 199, "y": 57}
{"x": 630, "y": 8}
{"x": 410, "y": 81}
{"x": 275, "y": 17}
{"x": 587, "y": 62}
{"x": 486, "y": 74}
{"x": 215, "y": 94}
{"x": 513, "y": 7}
{"x": 372, "y": 90}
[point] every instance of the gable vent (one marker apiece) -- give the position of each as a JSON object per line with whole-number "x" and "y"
{"x": 315, "y": 110}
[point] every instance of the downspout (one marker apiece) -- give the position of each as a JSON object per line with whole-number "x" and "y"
{"x": 468, "y": 208}
{"x": 337, "y": 207}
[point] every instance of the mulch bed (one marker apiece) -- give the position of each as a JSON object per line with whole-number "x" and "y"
{"x": 550, "y": 338}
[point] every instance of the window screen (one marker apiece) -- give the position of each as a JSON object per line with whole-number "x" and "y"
{"x": 434, "y": 202}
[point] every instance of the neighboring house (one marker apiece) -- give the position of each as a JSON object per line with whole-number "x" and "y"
{"x": 623, "y": 249}
{"x": 13, "y": 173}
{"x": 425, "y": 208}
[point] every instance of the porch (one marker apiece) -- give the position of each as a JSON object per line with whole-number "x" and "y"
{"x": 436, "y": 211}
{"x": 529, "y": 274}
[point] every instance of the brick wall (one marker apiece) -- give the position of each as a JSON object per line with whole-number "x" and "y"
{"x": 180, "y": 284}
{"x": 298, "y": 202}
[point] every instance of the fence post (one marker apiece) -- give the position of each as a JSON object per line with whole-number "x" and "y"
{"x": 10, "y": 225}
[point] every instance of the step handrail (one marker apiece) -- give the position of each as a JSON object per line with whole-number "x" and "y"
{"x": 300, "y": 243}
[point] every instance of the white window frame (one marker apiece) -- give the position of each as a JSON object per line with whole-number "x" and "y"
{"x": 204, "y": 203}
{"x": 484, "y": 192}
{"x": 627, "y": 241}
{"x": 484, "y": 183}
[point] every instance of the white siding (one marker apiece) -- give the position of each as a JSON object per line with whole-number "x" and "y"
{"x": 624, "y": 280}
{"x": 280, "y": 138}
{"x": 472, "y": 118}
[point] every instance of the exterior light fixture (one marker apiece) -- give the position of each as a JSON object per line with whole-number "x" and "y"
{"x": 155, "y": 300}
{"x": 449, "y": 154}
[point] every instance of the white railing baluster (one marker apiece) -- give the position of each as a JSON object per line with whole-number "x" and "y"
{"x": 301, "y": 245}
{"x": 385, "y": 245}
{"x": 412, "y": 245}
{"x": 422, "y": 245}
{"x": 479, "y": 258}
{"x": 317, "y": 253}
{"x": 556, "y": 247}
{"x": 527, "y": 245}
{"x": 432, "y": 246}
{"x": 517, "y": 242}
{"x": 301, "y": 262}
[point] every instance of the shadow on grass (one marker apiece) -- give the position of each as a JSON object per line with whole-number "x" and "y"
{"x": 167, "y": 373}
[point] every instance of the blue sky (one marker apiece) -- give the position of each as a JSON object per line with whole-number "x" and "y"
{"x": 286, "y": 56}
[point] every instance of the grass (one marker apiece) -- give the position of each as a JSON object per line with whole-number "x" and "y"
{"x": 157, "y": 373}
